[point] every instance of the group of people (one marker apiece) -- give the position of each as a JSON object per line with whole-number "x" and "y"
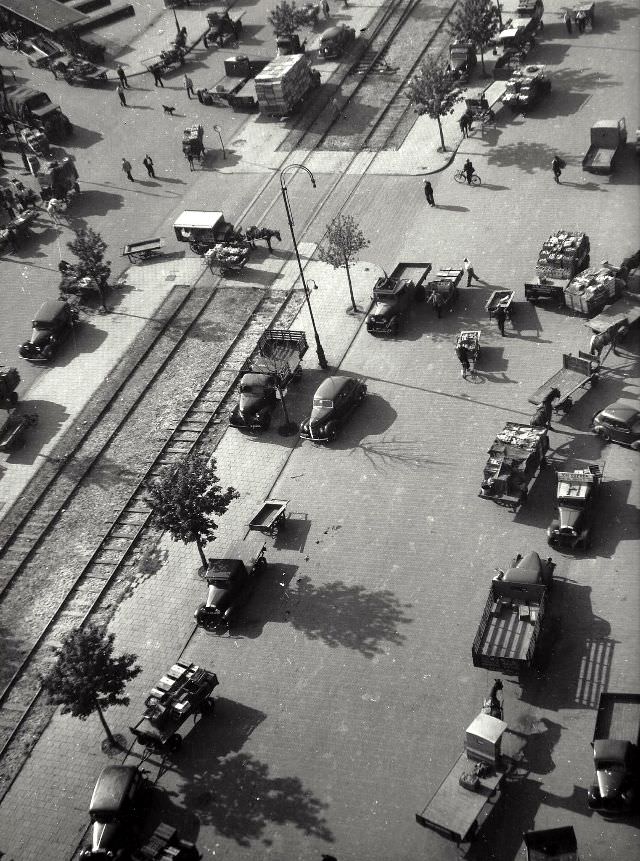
{"x": 581, "y": 19}
{"x": 147, "y": 161}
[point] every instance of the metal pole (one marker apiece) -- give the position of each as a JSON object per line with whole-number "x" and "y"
{"x": 173, "y": 9}
{"x": 322, "y": 361}
{"x": 217, "y": 129}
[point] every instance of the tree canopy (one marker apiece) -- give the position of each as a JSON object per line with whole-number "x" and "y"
{"x": 285, "y": 18}
{"x": 433, "y": 91}
{"x": 344, "y": 241}
{"x": 475, "y": 21}
{"x": 185, "y": 498}
{"x": 86, "y": 677}
{"x": 89, "y": 247}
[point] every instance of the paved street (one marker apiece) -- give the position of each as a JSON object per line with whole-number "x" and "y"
{"x": 347, "y": 684}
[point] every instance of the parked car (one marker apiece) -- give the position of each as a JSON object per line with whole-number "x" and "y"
{"x": 619, "y": 422}
{"x": 51, "y": 326}
{"x": 334, "y": 401}
{"x": 112, "y": 809}
{"x": 335, "y": 41}
{"x": 230, "y": 583}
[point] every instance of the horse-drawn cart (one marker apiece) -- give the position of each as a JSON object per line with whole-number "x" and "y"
{"x": 193, "y": 142}
{"x": 173, "y": 58}
{"x": 184, "y": 691}
{"x": 470, "y": 340}
{"x": 500, "y": 299}
{"x": 270, "y": 517}
{"x": 515, "y": 458}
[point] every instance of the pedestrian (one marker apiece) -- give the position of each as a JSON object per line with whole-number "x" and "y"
{"x": 53, "y": 208}
{"x": 500, "y": 316}
{"x": 468, "y": 268}
{"x": 123, "y": 78}
{"x": 597, "y": 344}
{"x": 468, "y": 170}
{"x": 120, "y": 92}
{"x": 205, "y": 41}
{"x": 126, "y": 167}
{"x": 556, "y": 166}
{"x": 462, "y": 122}
{"x": 189, "y": 155}
{"x": 463, "y": 358}
{"x": 325, "y": 8}
{"x": 567, "y": 22}
{"x": 581, "y": 20}
{"x": 147, "y": 161}
{"x": 438, "y": 303}
{"x": 188, "y": 85}
{"x": 469, "y": 121}
{"x": 428, "y": 193}
{"x": 157, "y": 77}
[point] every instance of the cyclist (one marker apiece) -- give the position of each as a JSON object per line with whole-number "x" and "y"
{"x": 468, "y": 170}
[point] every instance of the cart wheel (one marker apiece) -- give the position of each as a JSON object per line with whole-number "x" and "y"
{"x": 151, "y": 701}
{"x": 604, "y": 436}
{"x": 174, "y": 743}
{"x": 135, "y": 258}
{"x": 208, "y": 706}
{"x": 13, "y": 398}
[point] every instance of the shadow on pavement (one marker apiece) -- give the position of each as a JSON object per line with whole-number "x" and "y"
{"x": 51, "y": 417}
{"x": 84, "y": 138}
{"x": 611, "y": 17}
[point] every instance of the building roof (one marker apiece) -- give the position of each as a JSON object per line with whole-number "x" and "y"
{"x": 49, "y": 15}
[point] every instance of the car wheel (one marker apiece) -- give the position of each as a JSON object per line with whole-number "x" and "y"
{"x": 604, "y": 435}
{"x": 551, "y": 540}
{"x": 265, "y": 421}
{"x": 332, "y": 433}
{"x": 175, "y": 742}
{"x": 635, "y": 446}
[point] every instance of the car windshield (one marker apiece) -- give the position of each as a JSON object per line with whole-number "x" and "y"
{"x": 571, "y": 502}
{"x": 41, "y": 325}
{"x": 39, "y": 100}
{"x": 252, "y": 390}
{"x": 323, "y": 403}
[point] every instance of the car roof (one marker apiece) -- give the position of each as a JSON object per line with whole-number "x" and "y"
{"x": 50, "y": 310}
{"x": 111, "y": 787}
{"x": 330, "y": 387}
{"x": 620, "y": 411}
{"x": 255, "y": 379}
{"x": 223, "y": 569}
{"x": 332, "y": 32}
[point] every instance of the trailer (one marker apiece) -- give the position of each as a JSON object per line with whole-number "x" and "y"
{"x": 551, "y": 843}
{"x": 394, "y": 295}
{"x": 608, "y": 139}
{"x": 616, "y": 740}
{"x": 617, "y": 317}
{"x": 577, "y": 372}
{"x": 515, "y": 458}
{"x": 509, "y": 630}
{"x": 442, "y": 292}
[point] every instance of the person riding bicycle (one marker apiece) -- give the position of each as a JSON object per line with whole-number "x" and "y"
{"x": 468, "y": 170}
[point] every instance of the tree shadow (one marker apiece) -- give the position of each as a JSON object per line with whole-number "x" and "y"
{"x": 51, "y": 417}
{"x": 391, "y": 453}
{"x": 611, "y": 17}
{"x": 529, "y": 156}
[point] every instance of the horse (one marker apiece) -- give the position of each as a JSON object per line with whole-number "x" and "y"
{"x": 492, "y": 705}
{"x": 542, "y": 416}
{"x": 265, "y": 233}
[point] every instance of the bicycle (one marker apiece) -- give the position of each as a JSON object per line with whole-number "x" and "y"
{"x": 461, "y": 176}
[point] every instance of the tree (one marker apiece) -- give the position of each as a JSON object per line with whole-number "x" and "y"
{"x": 86, "y": 677}
{"x": 433, "y": 92}
{"x": 89, "y": 247}
{"x": 285, "y": 18}
{"x": 476, "y": 21}
{"x": 344, "y": 241}
{"x": 184, "y": 498}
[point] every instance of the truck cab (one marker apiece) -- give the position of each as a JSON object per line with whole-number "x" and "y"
{"x": 616, "y": 737}
{"x": 576, "y": 494}
{"x": 608, "y": 139}
{"x": 462, "y": 59}
{"x": 230, "y": 583}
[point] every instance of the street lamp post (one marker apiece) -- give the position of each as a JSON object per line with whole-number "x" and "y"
{"x": 217, "y": 129}
{"x": 322, "y": 361}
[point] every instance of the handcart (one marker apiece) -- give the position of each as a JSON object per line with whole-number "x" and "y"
{"x": 480, "y": 111}
{"x": 442, "y": 292}
{"x": 470, "y": 340}
{"x": 144, "y": 250}
{"x": 193, "y": 142}
{"x": 222, "y": 29}
{"x": 226, "y": 257}
{"x": 185, "y": 691}
{"x": 37, "y": 141}
{"x": 75, "y": 69}
{"x": 577, "y": 372}
{"x": 13, "y": 426}
{"x": 270, "y": 517}
{"x": 502, "y": 299}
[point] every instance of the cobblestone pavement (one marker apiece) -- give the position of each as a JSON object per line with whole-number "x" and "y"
{"x": 347, "y": 684}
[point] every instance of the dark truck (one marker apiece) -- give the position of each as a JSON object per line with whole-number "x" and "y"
{"x": 462, "y": 59}
{"x": 577, "y": 494}
{"x": 515, "y": 457}
{"x": 278, "y": 363}
{"x": 616, "y": 739}
{"x": 608, "y": 139}
{"x": 512, "y": 619}
{"x": 393, "y": 296}
{"x": 35, "y": 109}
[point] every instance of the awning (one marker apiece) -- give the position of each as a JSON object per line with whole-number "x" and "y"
{"x": 49, "y": 15}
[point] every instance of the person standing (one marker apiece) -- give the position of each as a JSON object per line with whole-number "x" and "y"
{"x": 500, "y": 316}
{"x": 325, "y": 8}
{"x": 157, "y": 77}
{"x": 556, "y": 166}
{"x": 464, "y": 128}
{"x": 468, "y": 170}
{"x": 463, "y": 357}
{"x": 126, "y": 168}
{"x": 188, "y": 85}
{"x": 147, "y": 161}
{"x": 428, "y": 193}
{"x": 567, "y": 22}
{"x": 189, "y": 155}
{"x": 120, "y": 92}
{"x": 581, "y": 20}
{"x": 123, "y": 78}
{"x": 468, "y": 268}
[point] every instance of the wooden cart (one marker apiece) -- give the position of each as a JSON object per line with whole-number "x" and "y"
{"x": 143, "y": 250}
{"x": 470, "y": 340}
{"x": 270, "y": 516}
{"x": 577, "y": 372}
{"x": 503, "y": 299}
{"x": 185, "y": 691}
{"x": 13, "y": 426}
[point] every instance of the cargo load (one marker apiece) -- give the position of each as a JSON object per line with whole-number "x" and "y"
{"x": 283, "y": 83}
{"x": 562, "y": 254}
{"x": 592, "y": 289}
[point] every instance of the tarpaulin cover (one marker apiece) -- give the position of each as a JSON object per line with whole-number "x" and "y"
{"x": 49, "y": 15}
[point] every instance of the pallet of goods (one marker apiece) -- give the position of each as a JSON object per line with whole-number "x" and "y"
{"x": 592, "y": 289}
{"x": 282, "y": 84}
{"x": 562, "y": 255}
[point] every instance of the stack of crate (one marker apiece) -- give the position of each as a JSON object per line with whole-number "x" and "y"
{"x": 562, "y": 254}
{"x": 282, "y": 84}
{"x": 592, "y": 289}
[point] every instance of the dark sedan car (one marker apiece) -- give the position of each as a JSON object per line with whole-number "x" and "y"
{"x": 230, "y": 584}
{"x": 113, "y": 808}
{"x": 619, "y": 422}
{"x": 333, "y": 402}
{"x": 51, "y": 326}
{"x": 258, "y": 398}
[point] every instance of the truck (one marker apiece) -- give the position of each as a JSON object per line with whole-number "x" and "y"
{"x": 515, "y": 458}
{"x": 577, "y": 494}
{"x": 512, "y": 619}
{"x": 608, "y": 139}
{"x": 280, "y": 352}
{"x": 562, "y": 256}
{"x": 469, "y": 792}
{"x": 526, "y": 88}
{"x": 393, "y": 296}
{"x": 616, "y": 739}
{"x": 462, "y": 59}
{"x": 35, "y": 109}
{"x": 284, "y": 83}
{"x": 57, "y": 178}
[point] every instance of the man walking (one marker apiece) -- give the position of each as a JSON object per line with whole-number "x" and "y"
{"x": 463, "y": 358}
{"x": 147, "y": 161}
{"x": 120, "y": 92}
{"x": 188, "y": 85}
{"x": 122, "y": 77}
{"x": 126, "y": 168}
{"x": 428, "y": 193}
{"x": 468, "y": 268}
{"x": 157, "y": 77}
{"x": 556, "y": 166}
{"x": 567, "y": 22}
{"x": 464, "y": 128}
{"x": 325, "y": 8}
{"x": 190, "y": 160}
{"x": 500, "y": 315}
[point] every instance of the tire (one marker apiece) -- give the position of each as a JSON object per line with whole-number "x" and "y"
{"x": 265, "y": 421}
{"x": 459, "y": 177}
{"x": 332, "y": 433}
{"x": 420, "y": 293}
{"x": 13, "y": 398}
{"x": 475, "y": 180}
{"x": 175, "y": 743}
{"x": 604, "y": 436}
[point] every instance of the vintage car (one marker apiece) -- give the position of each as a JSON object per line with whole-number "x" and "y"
{"x": 335, "y": 41}
{"x": 334, "y": 401}
{"x": 52, "y": 325}
{"x": 258, "y": 398}
{"x": 112, "y": 809}
{"x": 577, "y": 495}
{"x": 619, "y": 422}
{"x": 230, "y": 583}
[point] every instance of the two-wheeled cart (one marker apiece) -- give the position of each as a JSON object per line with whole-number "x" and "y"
{"x": 184, "y": 691}
{"x": 270, "y": 517}
{"x": 577, "y": 373}
{"x": 193, "y": 142}
{"x": 470, "y": 340}
{"x": 500, "y": 299}
{"x": 143, "y": 250}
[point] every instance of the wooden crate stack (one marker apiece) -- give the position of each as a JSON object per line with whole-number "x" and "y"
{"x": 562, "y": 254}
{"x": 592, "y": 289}
{"x": 282, "y": 84}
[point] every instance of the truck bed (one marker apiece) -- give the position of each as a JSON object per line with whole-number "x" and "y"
{"x": 622, "y": 311}
{"x": 598, "y": 160}
{"x": 618, "y": 717}
{"x": 505, "y": 641}
{"x": 416, "y": 272}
